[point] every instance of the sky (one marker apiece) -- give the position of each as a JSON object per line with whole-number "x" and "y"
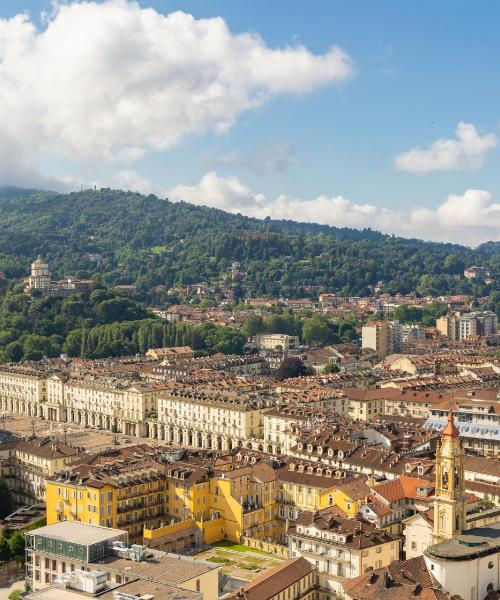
{"x": 381, "y": 114}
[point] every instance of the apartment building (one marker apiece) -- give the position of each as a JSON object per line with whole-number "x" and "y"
{"x": 339, "y": 548}
{"x": 305, "y": 486}
{"x": 460, "y": 326}
{"x": 392, "y": 501}
{"x": 129, "y": 489}
{"x": 385, "y": 337}
{"x": 282, "y": 426}
{"x": 477, "y": 418}
{"x": 112, "y": 403}
{"x": 364, "y": 404}
{"x": 413, "y": 404}
{"x": 245, "y": 499}
{"x": 209, "y": 418}
{"x": 276, "y": 341}
{"x": 23, "y": 389}
{"x": 26, "y": 463}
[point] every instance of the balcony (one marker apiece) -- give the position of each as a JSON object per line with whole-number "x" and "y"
{"x": 248, "y": 507}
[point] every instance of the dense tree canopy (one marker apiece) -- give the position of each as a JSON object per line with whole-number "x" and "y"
{"x": 96, "y": 325}
{"x": 155, "y": 244}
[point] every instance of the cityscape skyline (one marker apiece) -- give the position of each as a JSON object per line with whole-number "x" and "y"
{"x": 345, "y": 115}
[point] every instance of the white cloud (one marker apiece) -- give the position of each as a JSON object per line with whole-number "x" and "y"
{"x": 227, "y": 193}
{"x": 468, "y": 150}
{"x": 130, "y": 180}
{"x": 109, "y": 81}
{"x": 470, "y": 219}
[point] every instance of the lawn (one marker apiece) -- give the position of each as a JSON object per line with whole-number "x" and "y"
{"x": 241, "y": 548}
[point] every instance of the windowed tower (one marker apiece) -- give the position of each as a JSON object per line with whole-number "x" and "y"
{"x": 449, "y": 501}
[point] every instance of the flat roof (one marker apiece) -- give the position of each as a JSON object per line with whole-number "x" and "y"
{"x": 170, "y": 569}
{"x": 78, "y": 533}
{"x": 160, "y": 591}
{"x": 479, "y": 541}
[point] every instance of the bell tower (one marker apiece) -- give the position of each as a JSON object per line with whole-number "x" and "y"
{"x": 449, "y": 501}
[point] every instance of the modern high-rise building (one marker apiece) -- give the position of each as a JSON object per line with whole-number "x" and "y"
{"x": 458, "y": 327}
{"x": 385, "y": 337}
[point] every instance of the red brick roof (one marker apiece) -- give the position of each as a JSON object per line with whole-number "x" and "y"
{"x": 401, "y": 580}
{"x": 402, "y": 487}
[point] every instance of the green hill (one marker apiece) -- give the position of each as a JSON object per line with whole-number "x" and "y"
{"x": 150, "y": 242}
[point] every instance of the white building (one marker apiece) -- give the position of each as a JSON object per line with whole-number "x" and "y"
{"x": 339, "y": 548}
{"x": 40, "y": 275}
{"x": 276, "y": 341}
{"x": 469, "y": 564}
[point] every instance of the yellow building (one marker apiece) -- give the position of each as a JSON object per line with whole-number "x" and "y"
{"x": 245, "y": 499}
{"x": 449, "y": 501}
{"x": 313, "y": 486}
{"x": 25, "y": 465}
{"x": 364, "y": 404}
{"x": 129, "y": 490}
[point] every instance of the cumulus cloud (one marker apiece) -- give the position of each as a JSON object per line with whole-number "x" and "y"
{"x": 471, "y": 218}
{"x": 468, "y": 150}
{"x": 130, "y": 180}
{"x": 110, "y": 81}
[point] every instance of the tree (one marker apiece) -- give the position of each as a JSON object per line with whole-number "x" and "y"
{"x": 252, "y": 325}
{"x": 14, "y": 352}
{"x": 316, "y": 331}
{"x": 331, "y": 368}
{"x": 6, "y": 504}
{"x": 4, "y": 550}
{"x": 292, "y": 366}
{"x": 17, "y": 545}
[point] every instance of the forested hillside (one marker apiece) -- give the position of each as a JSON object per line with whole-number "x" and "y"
{"x": 150, "y": 242}
{"x": 95, "y": 324}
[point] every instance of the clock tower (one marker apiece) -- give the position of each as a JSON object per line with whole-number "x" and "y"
{"x": 449, "y": 501}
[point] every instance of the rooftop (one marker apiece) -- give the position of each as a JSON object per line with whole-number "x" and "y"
{"x": 78, "y": 533}
{"x": 480, "y": 541}
{"x": 170, "y": 569}
{"x": 275, "y": 581}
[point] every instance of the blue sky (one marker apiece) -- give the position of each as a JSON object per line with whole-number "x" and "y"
{"x": 418, "y": 69}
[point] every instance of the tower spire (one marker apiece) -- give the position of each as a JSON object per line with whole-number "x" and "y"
{"x": 451, "y": 428}
{"x": 449, "y": 501}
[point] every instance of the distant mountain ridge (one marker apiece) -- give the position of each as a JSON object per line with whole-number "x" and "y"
{"x": 151, "y": 242}
{"x": 10, "y": 191}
